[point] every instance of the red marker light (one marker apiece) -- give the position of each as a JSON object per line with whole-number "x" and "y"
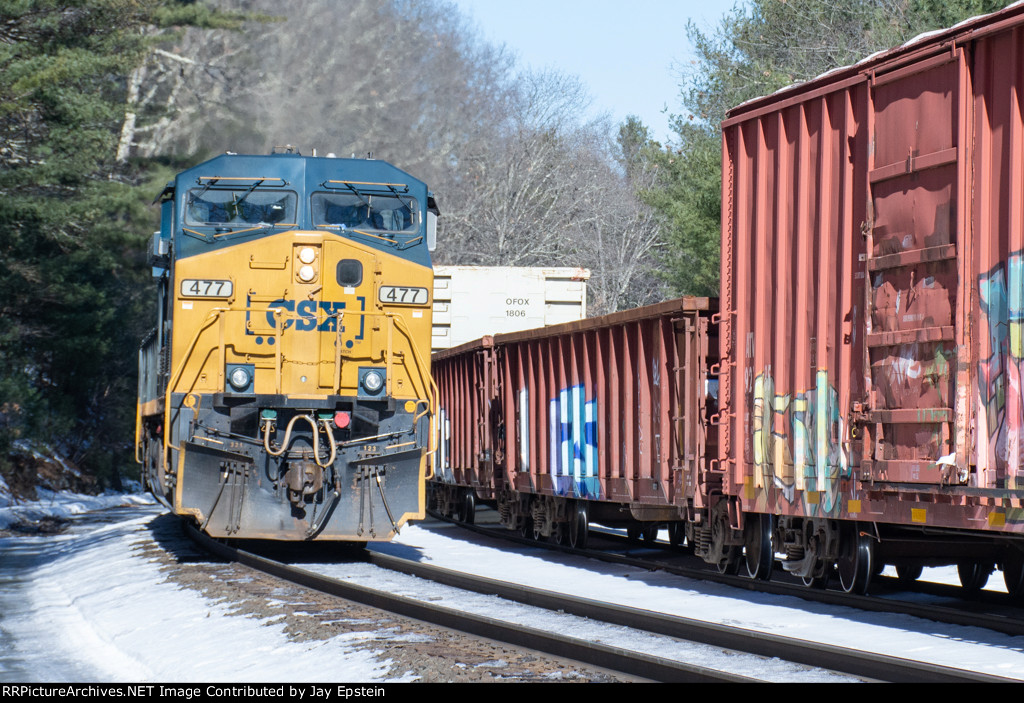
{"x": 342, "y": 419}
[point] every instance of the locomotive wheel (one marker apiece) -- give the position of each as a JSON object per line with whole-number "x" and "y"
{"x": 757, "y": 544}
{"x": 856, "y": 554}
{"x": 579, "y": 525}
{"x": 634, "y": 533}
{"x": 1013, "y": 573}
{"x": 469, "y": 507}
{"x": 973, "y": 575}
{"x": 908, "y": 573}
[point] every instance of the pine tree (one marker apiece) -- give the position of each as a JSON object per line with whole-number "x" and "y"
{"x": 73, "y": 228}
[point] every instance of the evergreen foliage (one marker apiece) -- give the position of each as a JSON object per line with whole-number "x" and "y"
{"x": 74, "y": 293}
{"x": 759, "y": 47}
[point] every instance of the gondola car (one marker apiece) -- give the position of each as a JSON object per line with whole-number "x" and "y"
{"x": 285, "y": 392}
{"x": 601, "y": 420}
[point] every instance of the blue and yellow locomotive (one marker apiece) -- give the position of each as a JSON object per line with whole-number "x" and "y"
{"x": 286, "y": 391}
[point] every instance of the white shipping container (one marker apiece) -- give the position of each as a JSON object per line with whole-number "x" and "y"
{"x": 472, "y": 301}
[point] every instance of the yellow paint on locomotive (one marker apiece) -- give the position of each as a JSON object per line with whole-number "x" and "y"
{"x": 287, "y": 327}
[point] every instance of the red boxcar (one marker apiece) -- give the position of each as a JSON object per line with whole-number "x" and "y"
{"x": 873, "y": 308}
{"x": 603, "y": 419}
{"x": 871, "y": 382}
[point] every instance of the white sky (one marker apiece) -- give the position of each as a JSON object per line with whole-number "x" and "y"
{"x": 627, "y": 54}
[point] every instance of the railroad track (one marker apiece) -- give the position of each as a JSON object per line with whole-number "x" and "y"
{"x": 866, "y": 666}
{"x": 999, "y": 618}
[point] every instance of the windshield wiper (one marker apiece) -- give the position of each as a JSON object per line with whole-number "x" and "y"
{"x": 249, "y": 192}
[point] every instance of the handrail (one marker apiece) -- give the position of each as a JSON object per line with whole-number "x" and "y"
{"x": 422, "y": 379}
{"x": 431, "y": 390}
{"x": 212, "y": 316}
{"x": 138, "y": 430}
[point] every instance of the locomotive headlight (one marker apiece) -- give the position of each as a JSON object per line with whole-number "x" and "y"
{"x": 307, "y": 255}
{"x": 307, "y": 273}
{"x": 240, "y": 378}
{"x": 373, "y": 381}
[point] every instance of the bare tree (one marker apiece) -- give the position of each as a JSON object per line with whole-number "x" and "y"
{"x": 522, "y": 177}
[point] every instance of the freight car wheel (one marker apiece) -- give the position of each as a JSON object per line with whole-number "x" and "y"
{"x": 856, "y": 553}
{"x": 690, "y": 532}
{"x": 676, "y": 533}
{"x": 973, "y": 575}
{"x": 579, "y": 525}
{"x": 729, "y": 556}
{"x": 757, "y": 546}
{"x": 559, "y": 534}
{"x": 469, "y": 507}
{"x": 649, "y": 533}
{"x": 1013, "y": 573}
{"x": 815, "y": 582}
{"x": 907, "y": 574}
{"x": 526, "y": 528}
{"x": 730, "y": 564}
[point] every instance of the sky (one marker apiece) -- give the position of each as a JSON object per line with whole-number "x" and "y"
{"x": 629, "y": 55}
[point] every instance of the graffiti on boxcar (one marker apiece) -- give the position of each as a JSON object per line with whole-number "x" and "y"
{"x": 798, "y": 442}
{"x": 572, "y": 437}
{"x": 1001, "y": 423}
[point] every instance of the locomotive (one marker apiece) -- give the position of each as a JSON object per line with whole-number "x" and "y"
{"x": 285, "y": 392}
{"x": 856, "y": 401}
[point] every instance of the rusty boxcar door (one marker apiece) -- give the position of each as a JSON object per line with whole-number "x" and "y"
{"x": 915, "y": 225}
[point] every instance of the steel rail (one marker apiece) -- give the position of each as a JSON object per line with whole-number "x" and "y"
{"x": 816, "y": 654}
{"x": 634, "y": 664}
{"x": 1005, "y": 624}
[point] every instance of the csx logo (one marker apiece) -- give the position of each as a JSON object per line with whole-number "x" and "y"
{"x": 307, "y": 312}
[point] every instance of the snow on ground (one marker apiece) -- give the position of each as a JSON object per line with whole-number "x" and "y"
{"x": 581, "y": 628}
{"x": 955, "y": 646}
{"x": 49, "y": 504}
{"x": 86, "y": 606}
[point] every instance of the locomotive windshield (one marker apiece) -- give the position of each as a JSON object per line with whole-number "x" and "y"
{"x": 385, "y": 213}
{"x": 208, "y": 206}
